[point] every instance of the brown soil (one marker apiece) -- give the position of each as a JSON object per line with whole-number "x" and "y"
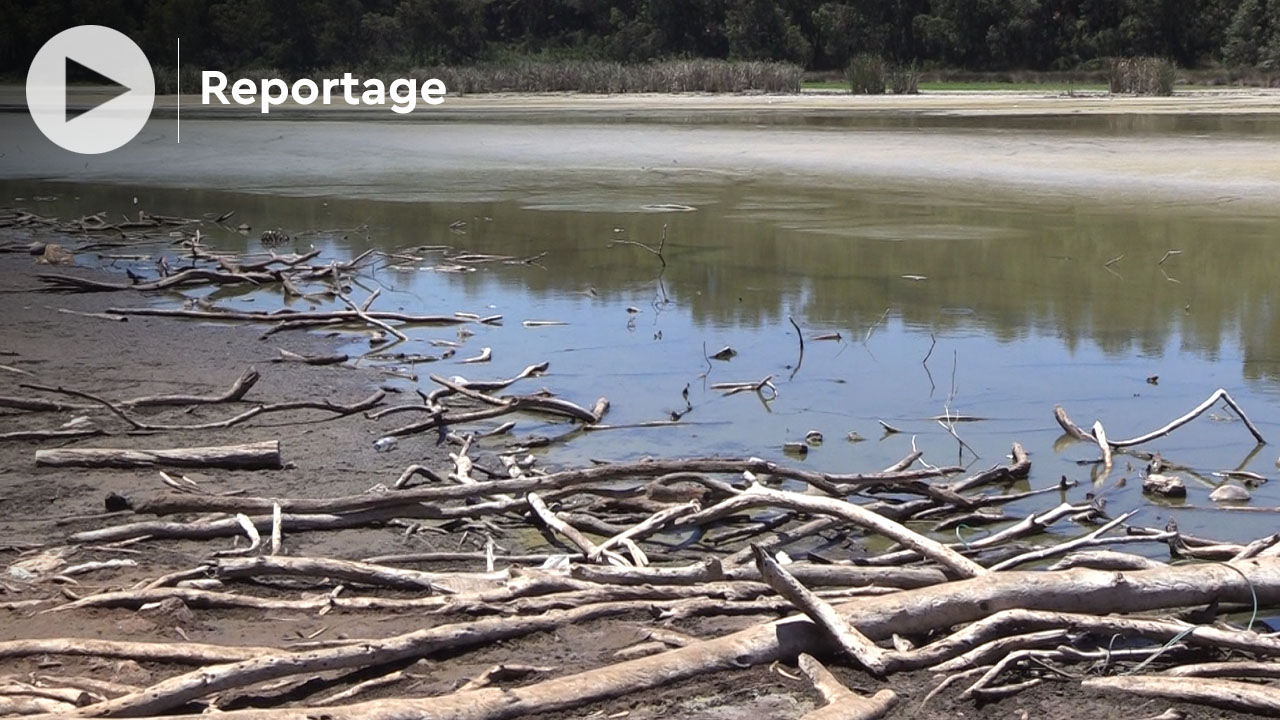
{"x": 329, "y": 457}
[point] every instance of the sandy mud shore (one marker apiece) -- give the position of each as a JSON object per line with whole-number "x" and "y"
{"x": 1234, "y": 101}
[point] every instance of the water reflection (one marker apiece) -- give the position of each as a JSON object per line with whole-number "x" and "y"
{"x": 1026, "y": 302}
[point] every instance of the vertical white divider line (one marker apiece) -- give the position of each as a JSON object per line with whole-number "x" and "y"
{"x": 179, "y": 91}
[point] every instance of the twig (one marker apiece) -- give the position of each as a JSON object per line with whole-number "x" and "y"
{"x": 658, "y": 251}
{"x": 800, "y": 337}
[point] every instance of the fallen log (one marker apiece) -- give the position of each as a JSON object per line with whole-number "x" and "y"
{"x": 164, "y": 652}
{"x": 1224, "y": 694}
{"x": 174, "y": 503}
{"x": 179, "y": 690}
{"x": 906, "y": 612}
{"x": 263, "y": 455}
{"x": 260, "y": 316}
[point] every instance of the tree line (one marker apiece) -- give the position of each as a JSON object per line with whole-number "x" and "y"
{"x": 378, "y": 35}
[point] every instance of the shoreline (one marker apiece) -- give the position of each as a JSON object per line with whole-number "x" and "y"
{"x": 514, "y": 106}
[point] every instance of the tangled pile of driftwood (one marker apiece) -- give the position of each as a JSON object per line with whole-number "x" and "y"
{"x": 723, "y": 527}
{"x": 992, "y": 616}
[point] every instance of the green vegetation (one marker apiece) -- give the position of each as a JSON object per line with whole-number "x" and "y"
{"x": 531, "y": 39}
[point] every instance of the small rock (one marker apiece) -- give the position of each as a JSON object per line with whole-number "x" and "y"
{"x": 130, "y": 672}
{"x": 116, "y": 502}
{"x": 55, "y": 255}
{"x": 1165, "y": 485}
{"x": 813, "y": 438}
{"x": 36, "y": 248}
{"x": 169, "y": 610}
{"x": 1230, "y": 494}
{"x": 795, "y": 448}
{"x": 854, "y": 436}
{"x": 724, "y": 353}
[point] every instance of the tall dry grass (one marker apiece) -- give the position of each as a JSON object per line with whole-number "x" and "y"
{"x": 1142, "y": 75}
{"x": 600, "y": 77}
{"x": 866, "y": 75}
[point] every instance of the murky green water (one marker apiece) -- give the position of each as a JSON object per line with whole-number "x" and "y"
{"x": 1020, "y": 301}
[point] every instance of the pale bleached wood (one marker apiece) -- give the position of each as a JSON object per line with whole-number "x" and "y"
{"x": 907, "y": 612}
{"x": 263, "y": 455}
{"x": 856, "y": 645}
{"x": 1225, "y": 694}
{"x": 841, "y": 703}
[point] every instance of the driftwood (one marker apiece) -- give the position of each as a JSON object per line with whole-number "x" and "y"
{"x": 181, "y": 689}
{"x": 235, "y": 392}
{"x": 263, "y": 455}
{"x": 290, "y": 315}
{"x": 1077, "y": 432}
{"x": 841, "y": 703}
{"x": 1225, "y": 694}
{"x": 904, "y": 612}
{"x": 856, "y": 645}
{"x": 169, "y": 503}
{"x": 168, "y": 652}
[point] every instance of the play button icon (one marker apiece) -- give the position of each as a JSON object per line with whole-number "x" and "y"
{"x": 106, "y": 118}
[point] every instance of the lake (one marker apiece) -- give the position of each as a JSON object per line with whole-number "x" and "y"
{"x": 1121, "y": 266}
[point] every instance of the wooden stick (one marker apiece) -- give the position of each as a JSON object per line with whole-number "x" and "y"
{"x": 362, "y": 312}
{"x": 1064, "y": 547}
{"x": 841, "y": 703}
{"x": 1219, "y": 394}
{"x": 552, "y": 522}
{"x": 856, "y": 645}
{"x": 1225, "y": 694}
{"x": 906, "y": 612}
{"x": 758, "y": 495}
{"x": 173, "y": 503}
{"x": 163, "y": 652}
{"x": 648, "y": 526}
{"x": 236, "y": 392}
{"x": 181, "y": 689}
{"x": 263, "y": 455}
{"x": 52, "y": 434}
{"x": 279, "y": 316}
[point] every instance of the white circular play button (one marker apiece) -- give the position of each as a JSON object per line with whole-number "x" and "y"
{"x": 104, "y": 57}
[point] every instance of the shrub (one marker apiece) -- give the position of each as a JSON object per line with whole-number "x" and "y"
{"x": 1142, "y": 75}
{"x": 904, "y": 79}
{"x": 866, "y": 75}
{"x": 594, "y": 76}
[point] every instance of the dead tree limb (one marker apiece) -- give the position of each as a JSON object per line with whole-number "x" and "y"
{"x": 166, "y": 652}
{"x": 906, "y": 612}
{"x": 1220, "y": 394}
{"x": 175, "y": 503}
{"x": 263, "y": 455}
{"x": 760, "y": 496}
{"x": 236, "y": 392}
{"x": 841, "y": 703}
{"x": 856, "y": 645}
{"x": 1224, "y": 694}
{"x": 179, "y": 690}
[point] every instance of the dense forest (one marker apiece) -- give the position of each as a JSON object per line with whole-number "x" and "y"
{"x": 300, "y": 35}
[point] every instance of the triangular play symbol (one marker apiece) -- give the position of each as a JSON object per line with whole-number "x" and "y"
{"x": 83, "y": 73}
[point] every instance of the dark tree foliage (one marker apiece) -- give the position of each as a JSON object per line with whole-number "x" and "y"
{"x": 296, "y": 36}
